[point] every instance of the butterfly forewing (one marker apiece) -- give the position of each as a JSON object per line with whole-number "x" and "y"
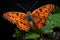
{"x": 18, "y": 18}
{"x": 40, "y": 15}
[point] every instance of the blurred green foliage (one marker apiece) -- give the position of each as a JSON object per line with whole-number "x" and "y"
{"x": 32, "y": 35}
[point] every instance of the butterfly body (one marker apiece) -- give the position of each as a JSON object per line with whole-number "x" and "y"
{"x": 29, "y": 16}
{"x": 28, "y": 20}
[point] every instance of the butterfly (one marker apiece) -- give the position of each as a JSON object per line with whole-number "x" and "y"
{"x": 25, "y": 21}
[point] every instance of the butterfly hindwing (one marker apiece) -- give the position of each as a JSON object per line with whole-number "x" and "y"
{"x": 40, "y": 15}
{"x": 18, "y": 18}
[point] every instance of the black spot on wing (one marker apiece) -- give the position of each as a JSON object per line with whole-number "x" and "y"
{"x": 39, "y": 20}
{"x": 17, "y": 14}
{"x": 37, "y": 13}
{"x": 21, "y": 16}
{"x": 24, "y": 24}
{"x": 7, "y": 14}
{"x": 12, "y": 16}
{"x": 21, "y": 22}
{"x": 40, "y": 10}
{"x": 44, "y": 6}
{"x": 48, "y": 9}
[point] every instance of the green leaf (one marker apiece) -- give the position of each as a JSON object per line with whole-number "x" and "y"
{"x": 17, "y": 32}
{"x": 31, "y": 35}
{"x": 55, "y": 17}
{"x": 47, "y": 29}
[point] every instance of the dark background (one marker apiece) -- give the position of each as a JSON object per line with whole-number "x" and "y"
{"x": 7, "y": 28}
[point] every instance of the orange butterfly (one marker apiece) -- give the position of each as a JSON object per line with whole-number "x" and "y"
{"x": 35, "y": 19}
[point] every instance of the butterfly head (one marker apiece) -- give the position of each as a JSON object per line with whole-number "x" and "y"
{"x": 28, "y": 12}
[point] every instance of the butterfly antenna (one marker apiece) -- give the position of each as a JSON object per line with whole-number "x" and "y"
{"x": 21, "y": 6}
{"x": 34, "y": 4}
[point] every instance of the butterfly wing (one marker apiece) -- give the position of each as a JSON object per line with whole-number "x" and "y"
{"x": 40, "y": 15}
{"x": 18, "y": 18}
